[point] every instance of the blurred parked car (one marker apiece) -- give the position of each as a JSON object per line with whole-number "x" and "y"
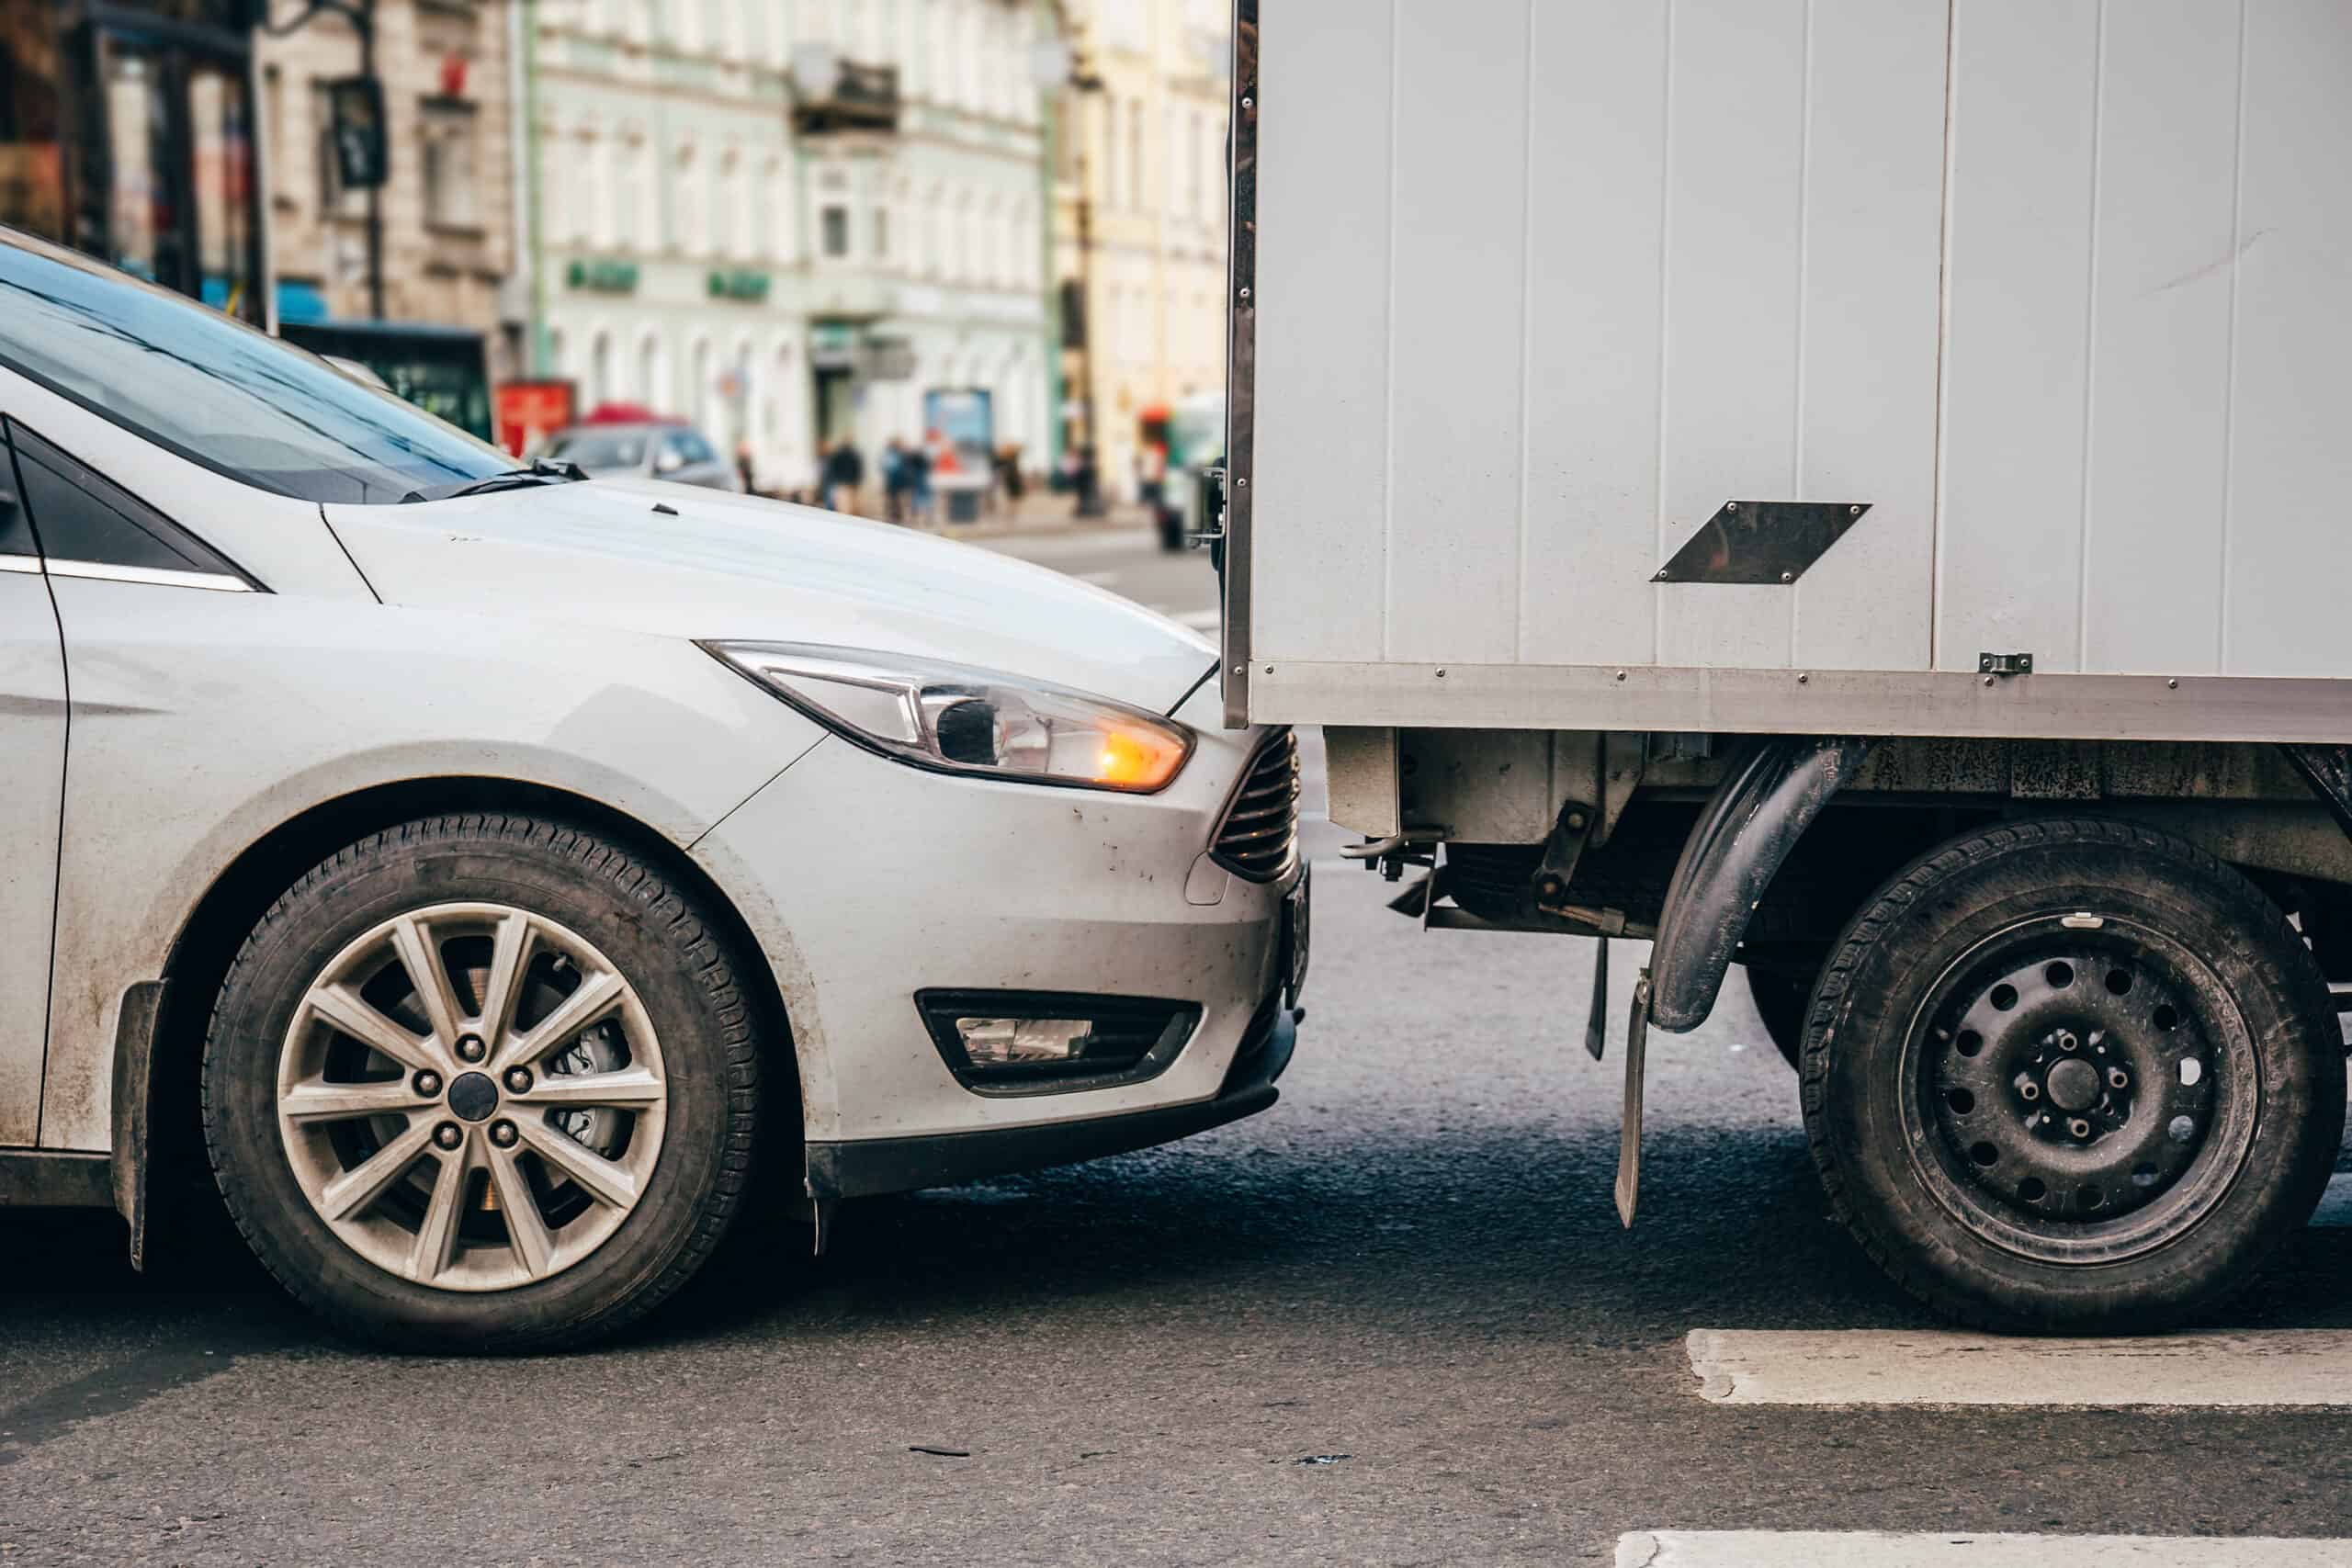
{"x": 616, "y": 444}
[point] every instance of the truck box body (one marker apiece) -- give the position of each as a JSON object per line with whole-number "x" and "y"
{"x": 2057, "y": 292}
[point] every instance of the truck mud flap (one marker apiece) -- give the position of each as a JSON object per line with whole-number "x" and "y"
{"x": 1739, "y": 845}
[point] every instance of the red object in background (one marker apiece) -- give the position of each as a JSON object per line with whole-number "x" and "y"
{"x": 453, "y": 75}
{"x": 625, "y": 413}
{"x": 529, "y": 411}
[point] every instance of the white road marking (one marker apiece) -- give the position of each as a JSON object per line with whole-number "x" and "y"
{"x": 2277, "y": 1367}
{"x": 1199, "y": 620}
{"x": 1959, "y": 1549}
{"x": 1100, "y": 579}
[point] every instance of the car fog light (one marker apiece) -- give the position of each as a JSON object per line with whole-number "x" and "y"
{"x": 1002, "y": 1042}
{"x": 1032, "y": 1043}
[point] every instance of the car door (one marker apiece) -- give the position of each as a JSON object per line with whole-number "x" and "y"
{"x": 32, "y": 781}
{"x": 91, "y": 533}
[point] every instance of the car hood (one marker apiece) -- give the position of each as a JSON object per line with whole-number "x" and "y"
{"x": 711, "y": 566}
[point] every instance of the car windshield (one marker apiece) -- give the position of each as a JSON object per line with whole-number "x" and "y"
{"x": 218, "y": 392}
{"x": 594, "y": 450}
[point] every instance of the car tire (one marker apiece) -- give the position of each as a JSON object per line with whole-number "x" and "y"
{"x": 1781, "y": 1001}
{"x": 2072, "y": 1076}
{"x": 566, "y": 1201}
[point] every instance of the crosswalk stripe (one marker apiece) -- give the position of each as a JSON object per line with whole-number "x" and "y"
{"x": 1958, "y": 1548}
{"x": 2278, "y": 1367}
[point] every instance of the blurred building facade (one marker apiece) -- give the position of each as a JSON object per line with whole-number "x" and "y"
{"x": 127, "y": 131}
{"x": 794, "y": 222}
{"x": 1140, "y": 218}
{"x": 447, "y": 210}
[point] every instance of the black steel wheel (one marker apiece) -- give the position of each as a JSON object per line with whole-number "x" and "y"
{"x": 2072, "y": 1075}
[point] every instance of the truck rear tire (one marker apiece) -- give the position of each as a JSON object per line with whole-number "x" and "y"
{"x": 2072, "y": 1076}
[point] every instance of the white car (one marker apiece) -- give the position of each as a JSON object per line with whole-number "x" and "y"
{"x": 499, "y": 876}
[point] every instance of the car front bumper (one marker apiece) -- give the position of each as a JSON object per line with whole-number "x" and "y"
{"x": 867, "y": 882}
{"x": 871, "y": 1166}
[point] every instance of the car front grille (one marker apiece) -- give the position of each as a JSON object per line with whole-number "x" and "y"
{"x": 1259, "y": 838}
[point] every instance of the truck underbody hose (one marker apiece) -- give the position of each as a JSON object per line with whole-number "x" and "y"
{"x": 1740, "y": 842}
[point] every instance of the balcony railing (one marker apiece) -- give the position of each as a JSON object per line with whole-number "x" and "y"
{"x": 860, "y": 98}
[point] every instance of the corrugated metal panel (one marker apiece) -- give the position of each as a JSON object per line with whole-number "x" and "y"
{"x": 1548, "y": 281}
{"x": 2286, "y": 556}
{"x": 1322, "y": 293}
{"x": 1457, "y": 298}
{"x": 1735, "y": 123}
{"x": 2153, "y": 495}
{"x": 1595, "y": 244}
{"x": 1873, "y": 236}
{"x": 2016, "y": 328}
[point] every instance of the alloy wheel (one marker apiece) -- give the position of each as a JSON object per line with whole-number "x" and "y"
{"x": 472, "y": 1097}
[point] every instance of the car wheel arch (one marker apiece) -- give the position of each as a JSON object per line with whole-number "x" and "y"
{"x": 157, "y": 1116}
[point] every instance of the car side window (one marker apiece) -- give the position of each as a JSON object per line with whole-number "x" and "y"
{"x": 674, "y": 454}
{"x": 80, "y": 518}
{"x": 696, "y": 449}
{"x": 16, "y": 532}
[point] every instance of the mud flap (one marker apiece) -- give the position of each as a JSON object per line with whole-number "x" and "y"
{"x": 1596, "y": 1023}
{"x": 1629, "y": 1131}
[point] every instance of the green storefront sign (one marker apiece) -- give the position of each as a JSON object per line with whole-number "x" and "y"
{"x": 751, "y": 287}
{"x": 603, "y": 276}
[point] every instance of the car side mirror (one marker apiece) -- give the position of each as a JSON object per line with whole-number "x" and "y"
{"x": 667, "y": 463}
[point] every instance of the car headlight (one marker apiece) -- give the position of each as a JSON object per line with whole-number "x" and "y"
{"x": 956, "y": 719}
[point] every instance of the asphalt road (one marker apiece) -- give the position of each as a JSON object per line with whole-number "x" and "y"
{"x": 1128, "y": 561}
{"x": 1392, "y": 1320}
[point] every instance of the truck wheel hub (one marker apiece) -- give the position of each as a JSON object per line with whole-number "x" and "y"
{"x": 2070, "y": 1080}
{"x": 2073, "y": 1085}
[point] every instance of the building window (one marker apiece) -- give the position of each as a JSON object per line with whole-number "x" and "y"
{"x": 1196, "y": 188}
{"x": 627, "y": 193}
{"x": 1135, "y": 186}
{"x": 787, "y": 238}
{"x": 651, "y": 377}
{"x": 731, "y": 217}
{"x": 881, "y": 233}
{"x": 600, "y": 387}
{"x": 691, "y": 192}
{"x": 1111, "y": 171}
{"x": 836, "y": 231}
{"x": 451, "y": 193}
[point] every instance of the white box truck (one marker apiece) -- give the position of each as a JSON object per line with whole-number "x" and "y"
{"x": 1853, "y": 490}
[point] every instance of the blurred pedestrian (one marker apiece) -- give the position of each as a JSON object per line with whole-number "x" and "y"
{"x": 918, "y": 481}
{"x": 844, "y": 473}
{"x": 1152, "y": 476}
{"x": 743, "y": 467}
{"x": 897, "y": 481}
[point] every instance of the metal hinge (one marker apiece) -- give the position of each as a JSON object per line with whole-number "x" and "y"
{"x": 1211, "y": 510}
{"x": 2005, "y": 664}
